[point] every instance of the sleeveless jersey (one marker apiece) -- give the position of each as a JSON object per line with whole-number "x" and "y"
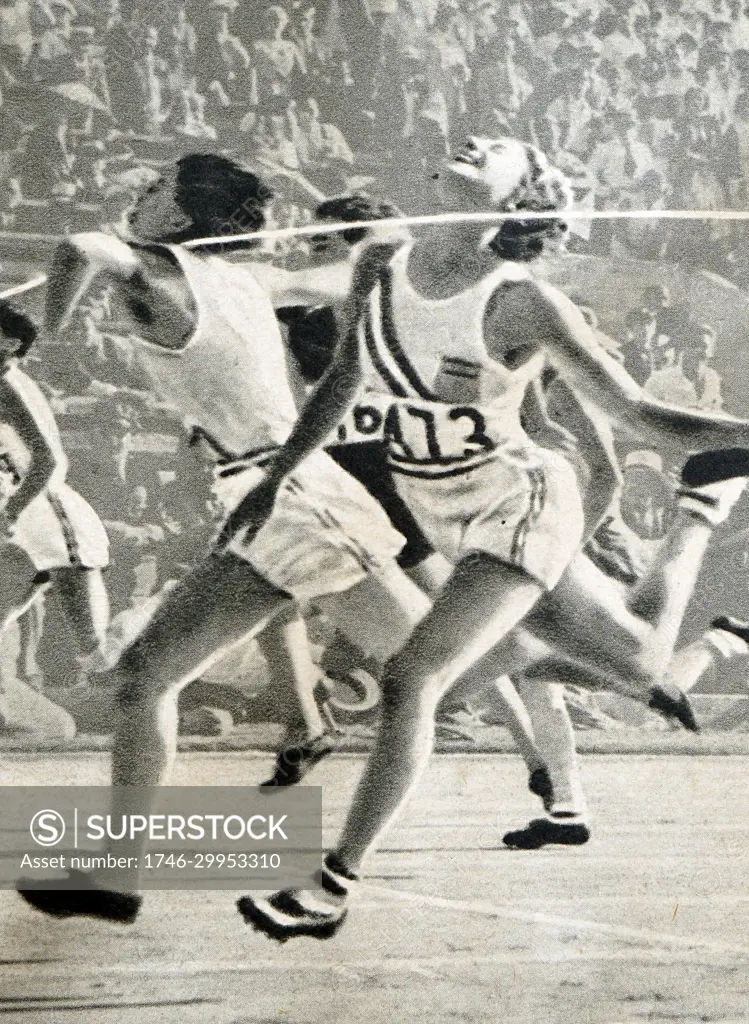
{"x": 451, "y": 407}
{"x": 15, "y": 456}
{"x": 229, "y": 381}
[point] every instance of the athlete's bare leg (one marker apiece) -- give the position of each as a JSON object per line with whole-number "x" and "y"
{"x": 85, "y": 603}
{"x": 21, "y": 584}
{"x": 628, "y": 635}
{"x": 220, "y": 603}
{"x": 379, "y": 613}
{"x": 293, "y": 674}
{"x": 531, "y": 709}
{"x": 485, "y": 599}
{"x": 555, "y": 736}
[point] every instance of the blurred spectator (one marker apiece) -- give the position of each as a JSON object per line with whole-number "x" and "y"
{"x": 153, "y": 70}
{"x": 278, "y": 61}
{"x": 698, "y": 351}
{"x": 687, "y": 378}
{"x": 52, "y": 59}
{"x": 225, "y": 74}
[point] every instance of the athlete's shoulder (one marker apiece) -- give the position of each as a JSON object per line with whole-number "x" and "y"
{"x": 101, "y": 248}
{"x": 522, "y": 291}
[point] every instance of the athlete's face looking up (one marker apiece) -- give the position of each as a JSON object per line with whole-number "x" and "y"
{"x": 157, "y": 214}
{"x": 486, "y": 170}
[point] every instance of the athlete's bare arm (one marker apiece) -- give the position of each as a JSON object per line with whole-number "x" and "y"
{"x": 150, "y": 282}
{"x": 532, "y": 311}
{"x": 17, "y": 415}
{"x": 75, "y": 264}
{"x": 315, "y": 286}
{"x": 331, "y": 399}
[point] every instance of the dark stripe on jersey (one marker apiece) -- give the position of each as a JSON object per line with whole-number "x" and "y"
{"x": 68, "y": 532}
{"x": 395, "y": 385}
{"x": 390, "y": 334}
{"x": 466, "y": 364}
{"x": 450, "y": 371}
{"x": 536, "y": 504}
{"x": 441, "y": 474}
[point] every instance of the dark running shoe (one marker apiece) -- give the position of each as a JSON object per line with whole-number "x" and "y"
{"x": 713, "y": 467}
{"x": 78, "y": 896}
{"x": 673, "y": 705}
{"x": 544, "y": 831}
{"x": 539, "y": 783}
{"x": 294, "y": 762}
{"x": 292, "y": 913}
{"x": 728, "y": 624}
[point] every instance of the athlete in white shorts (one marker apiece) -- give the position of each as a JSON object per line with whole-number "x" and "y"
{"x": 603, "y": 576}
{"x": 211, "y": 345}
{"x": 455, "y": 340}
{"x": 51, "y": 536}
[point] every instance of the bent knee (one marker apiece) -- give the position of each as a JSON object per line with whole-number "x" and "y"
{"x": 407, "y": 689}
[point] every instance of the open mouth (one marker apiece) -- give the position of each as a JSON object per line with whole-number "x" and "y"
{"x": 472, "y": 159}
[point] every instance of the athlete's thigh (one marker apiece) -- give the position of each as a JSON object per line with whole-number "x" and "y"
{"x": 221, "y": 602}
{"x": 586, "y": 617}
{"x": 378, "y": 613}
{"x": 19, "y": 581}
{"x": 510, "y": 656}
{"x": 480, "y": 603}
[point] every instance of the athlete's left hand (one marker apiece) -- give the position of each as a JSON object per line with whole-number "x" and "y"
{"x": 251, "y": 513}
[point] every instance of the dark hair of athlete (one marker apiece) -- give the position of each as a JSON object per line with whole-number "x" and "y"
{"x": 17, "y": 326}
{"x": 544, "y": 189}
{"x": 218, "y": 198}
{"x": 353, "y": 207}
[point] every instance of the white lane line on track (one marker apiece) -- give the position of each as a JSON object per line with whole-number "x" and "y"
{"x": 485, "y": 909}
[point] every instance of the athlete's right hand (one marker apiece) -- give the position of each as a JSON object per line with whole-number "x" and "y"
{"x": 251, "y": 513}
{"x": 373, "y": 260}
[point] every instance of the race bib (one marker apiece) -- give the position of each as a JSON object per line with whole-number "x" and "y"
{"x": 435, "y": 434}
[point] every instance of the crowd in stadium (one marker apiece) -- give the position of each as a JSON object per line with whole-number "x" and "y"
{"x": 643, "y": 103}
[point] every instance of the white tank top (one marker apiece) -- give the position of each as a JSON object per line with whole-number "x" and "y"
{"x": 12, "y": 447}
{"x": 230, "y": 379}
{"x": 452, "y": 407}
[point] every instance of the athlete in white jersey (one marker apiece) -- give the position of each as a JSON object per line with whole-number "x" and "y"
{"x": 638, "y": 612}
{"x": 211, "y": 344}
{"x": 52, "y": 537}
{"x": 507, "y": 514}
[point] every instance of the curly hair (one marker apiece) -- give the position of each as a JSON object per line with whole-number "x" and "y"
{"x": 219, "y": 196}
{"x": 543, "y": 189}
{"x": 355, "y": 206}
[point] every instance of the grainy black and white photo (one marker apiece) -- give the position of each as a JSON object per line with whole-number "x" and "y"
{"x": 374, "y": 531}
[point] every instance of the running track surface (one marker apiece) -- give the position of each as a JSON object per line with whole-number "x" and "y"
{"x": 648, "y": 922}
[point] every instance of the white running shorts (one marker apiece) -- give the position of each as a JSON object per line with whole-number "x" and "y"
{"x": 60, "y": 530}
{"x": 325, "y": 533}
{"x": 523, "y": 507}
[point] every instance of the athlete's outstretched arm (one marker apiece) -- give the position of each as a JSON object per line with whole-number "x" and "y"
{"x": 315, "y": 286}
{"x": 42, "y": 464}
{"x": 338, "y": 387}
{"x": 75, "y": 264}
{"x": 531, "y": 309}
